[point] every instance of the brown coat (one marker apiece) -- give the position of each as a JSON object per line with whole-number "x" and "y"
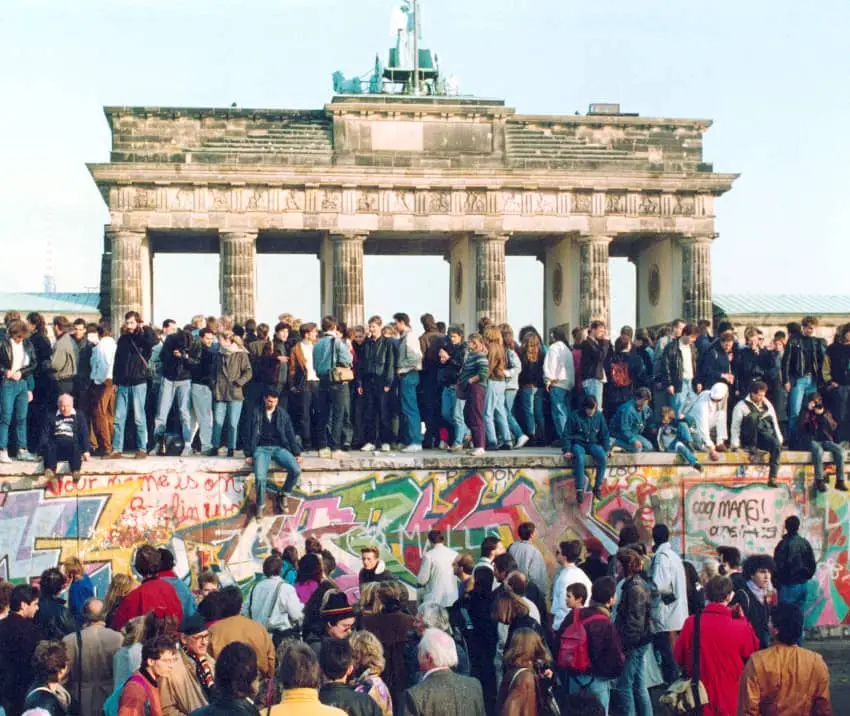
{"x": 518, "y": 694}
{"x": 99, "y": 646}
{"x": 233, "y": 371}
{"x": 784, "y": 681}
{"x": 249, "y": 632}
{"x": 392, "y": 629}
{"x": 180, "y": 692}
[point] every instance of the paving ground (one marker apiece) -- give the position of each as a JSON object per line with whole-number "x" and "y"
{"x": 837, "y": 656}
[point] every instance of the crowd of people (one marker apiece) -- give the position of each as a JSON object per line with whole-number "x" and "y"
{"x": 487, "y": 634}
{"x": 280, "y": 392}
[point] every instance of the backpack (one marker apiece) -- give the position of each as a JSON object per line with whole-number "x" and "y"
{"x": 110, "y": 706}
{"x": 621, "y": 376}
{"x": 573, "y": 652}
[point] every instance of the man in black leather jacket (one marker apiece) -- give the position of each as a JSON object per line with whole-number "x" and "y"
{"x": 17, "y": 364}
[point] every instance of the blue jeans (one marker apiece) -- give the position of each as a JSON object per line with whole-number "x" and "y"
{"x": 138, "y": 395}
{"x": 817, "y": 449}
{"x": 495, "y": 417}
{"x": 794, "y": 594}
{"x": 631, "y": 689}
{"x": 684, "y": 399}
{"x": 13, "y": 397}
{"x": 800, "y": 387}
{"x": 263, "y": 457}
{"x": 598, "y": 454}
{"x": 560, "y": 400}
{"x": 202, "y": 412}
{"x": 452, "y": 410}
{"x": 595, "y": 685}
{"x": 510, "y": 398}
{"x": 645, "y": 445}
{"x": 232, "y": 410}
{"x": 412, "y": 431}
{"x": 169, "y": 390}
{"x": 593, "y": 387}
{"x": 531, "y": 406}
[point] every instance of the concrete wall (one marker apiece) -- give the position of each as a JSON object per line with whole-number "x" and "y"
{"x": 193, "y": 506}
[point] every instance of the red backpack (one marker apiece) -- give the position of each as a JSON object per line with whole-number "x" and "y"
{"x": 573, "y": 653}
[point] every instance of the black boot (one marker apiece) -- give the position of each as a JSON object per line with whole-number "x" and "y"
{"x": 841, "y": 486}
{"x": 820, "y": 485}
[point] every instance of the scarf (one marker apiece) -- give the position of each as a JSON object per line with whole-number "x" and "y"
{"x": 761, "y": 594}
{"x": 205, "y": 674}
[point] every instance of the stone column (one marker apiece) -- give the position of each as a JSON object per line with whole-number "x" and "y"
{"x": 237, "y": 282}
{"x": 696, "y": 278}
{"x": 491, "y": 294}
{"x": 125, "y": 274}
{"x": 595, "y": 286}
{"x": 105, "y": 303}
{"x": 347, "y": 272}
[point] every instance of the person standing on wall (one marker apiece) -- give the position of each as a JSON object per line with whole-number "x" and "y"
{"x": 17, "y": 364}
{"x": 594, "y": 354}
{"x": 130, "y": 374}
{"x": 333, "y": 398}
{"x": 802, "y": 367}
{"x": 678, "y": 370}
{"x": 559, "y": 377}
{"x": 795, "y": 564}
{"x": 408, "y": 365}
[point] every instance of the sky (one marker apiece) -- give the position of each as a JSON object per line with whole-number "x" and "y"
{"x": 772, "y": 74}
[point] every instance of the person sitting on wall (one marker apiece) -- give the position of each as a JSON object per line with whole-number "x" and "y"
{"x": 65, "y": 437}
{"x": 708, "y": 414}
{"x": 817, "y": 432}
{"x": 586, "y": 433}
{"x": 755, "y": 427}
{"x": 630, "y": 421}
{"x": 272, "y": 437}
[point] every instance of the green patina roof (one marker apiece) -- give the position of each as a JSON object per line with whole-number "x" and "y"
{"x": 67, "y": 303}
{"x": 784, "y": 303}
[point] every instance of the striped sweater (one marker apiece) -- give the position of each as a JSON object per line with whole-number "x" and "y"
{"x": 475, "y": 364}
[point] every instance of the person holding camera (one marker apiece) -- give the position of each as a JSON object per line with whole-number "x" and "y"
{"x": 176, "y": 384}
{"x": 130, "y": 374}
{"x": 817, "y": 431}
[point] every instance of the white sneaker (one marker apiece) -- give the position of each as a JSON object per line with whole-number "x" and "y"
{"x": 413, "y": 447}
{"x": 444, "y": 445}
{"x": 186, "y": 452}
{"x": 476, "y": 452}
{"x": 368, "y": 447}
{"x": 325, "y": 453}
{"x": 4, "y": 457}
{"x": 26, "y": 456}
{"x": 521, "y": 442}
{"x": 386, "y": 447}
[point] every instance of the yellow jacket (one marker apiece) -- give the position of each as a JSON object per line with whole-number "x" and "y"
{"x": 784, "y": 680}
{"x": 304, "y": 702}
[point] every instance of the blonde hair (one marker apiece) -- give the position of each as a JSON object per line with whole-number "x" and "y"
{"x": 367, "y": 652}
{"x": 120, "y": 586}
{"x": 710, "y": 569}
{"x": 667, "y": 412}
{"x": 525, "y": 649}
{"x": 73, "y": 568}
{"x": 370, "y": 599}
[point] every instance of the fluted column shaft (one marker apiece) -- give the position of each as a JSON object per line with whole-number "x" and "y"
{"x": 347, "y": 289}
{"x": 125, "y": 274}
{"x": 594, "y": 282}
{"x": 696, "y": 278}
{"x": 237, "y": 271}
{"x": 491, "y": 295}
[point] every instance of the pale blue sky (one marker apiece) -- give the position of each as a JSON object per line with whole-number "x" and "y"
{"x": 773, "y": 76}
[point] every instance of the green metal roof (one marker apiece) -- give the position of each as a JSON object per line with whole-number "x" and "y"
{"x": 783, "y": 304}
{"x": 70, "y": 304}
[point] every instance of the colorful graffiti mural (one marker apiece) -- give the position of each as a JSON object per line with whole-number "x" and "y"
{"x": 197, "y": 513}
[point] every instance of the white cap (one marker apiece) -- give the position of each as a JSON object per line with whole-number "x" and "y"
{"x": 719, "y": 391}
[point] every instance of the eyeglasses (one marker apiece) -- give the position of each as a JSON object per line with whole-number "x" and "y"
{"x": 204, "y": 636}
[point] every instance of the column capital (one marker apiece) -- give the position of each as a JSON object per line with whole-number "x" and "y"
{"x": 111, "y": 231}
{"x": 501, "y": 237}
{"x": 340, "y": 236}
{"x": 697, "y": 238}
{"x": 236, "y": 234}
{"x": 594, "y": 239}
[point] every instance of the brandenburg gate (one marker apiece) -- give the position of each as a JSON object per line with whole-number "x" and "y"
{"x": 467, "y": 179}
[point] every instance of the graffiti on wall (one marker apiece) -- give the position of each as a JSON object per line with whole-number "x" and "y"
{"x": 197, "y": 514}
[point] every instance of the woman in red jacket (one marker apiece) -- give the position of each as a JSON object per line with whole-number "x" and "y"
{"x": 726, "y": 642}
